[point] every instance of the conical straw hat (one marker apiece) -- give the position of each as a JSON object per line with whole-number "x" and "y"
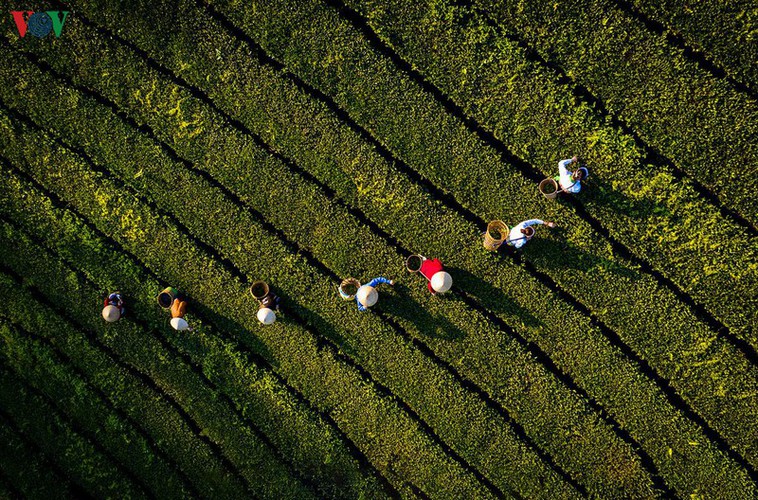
{"x": 367, "y": 295}
{"x": 441, "y": 282}
{"x": 266, "y": 315}
{"x": 111, "y": 314}
{"x": 179, "y": 324}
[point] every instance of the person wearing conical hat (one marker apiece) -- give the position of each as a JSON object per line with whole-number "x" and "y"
{"x": 571, "y": 182}
{"x": 268, "y": 304}
{"x": 178, "y": 309}
{"x": 366, "y": 296}
{"x": 524, "y": 231}
{"x": 113, "y": 307}
{"x": 438, "y": 280}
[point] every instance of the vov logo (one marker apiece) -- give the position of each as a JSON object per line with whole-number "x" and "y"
{"x": 39, "y": 24}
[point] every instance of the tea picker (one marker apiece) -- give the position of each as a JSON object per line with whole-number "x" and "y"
{"x": 365, "y": 295}
{"x": 178, "y": 309}
{"x": 438, "y": 281}
{"x": 524, "y": 232}
{"x": 268, "y": 302}
{"x": 171, "y": 298}
{"x": 569, "y": 182}
{"x": 113, "y": 307}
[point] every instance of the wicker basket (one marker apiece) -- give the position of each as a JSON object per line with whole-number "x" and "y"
{"x": 167, "y": 296}
{"x": 549, "y": 188}
{"x": 259, "y": 289}
{"x": 413, "y": 263}
{"x": 497, "y": 227}
{"x": 348, "y": 288}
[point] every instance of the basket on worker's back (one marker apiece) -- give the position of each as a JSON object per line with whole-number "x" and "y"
{"x": 348, "y": 288}
{"x": 549, "y": 188}
{"x": 413, "y": 263}
{"x": 167, "y": 296}
{"x": 495, "y": 235}
{"x": 259, "y": 290}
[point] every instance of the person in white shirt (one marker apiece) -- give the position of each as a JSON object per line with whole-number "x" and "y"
{"x": 571, "y": 182}
{"x": 524, "y": 231}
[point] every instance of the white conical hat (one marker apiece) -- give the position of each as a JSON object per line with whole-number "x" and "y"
{"x": 367, "y": 296}
{"x": 111, "y": 314}
{"x": 266, "y": 315}
{"x": 179, "y": 324}
{"x": 441, "y": 282}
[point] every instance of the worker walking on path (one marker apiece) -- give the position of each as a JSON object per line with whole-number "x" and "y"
{"x": 571, "y": 182}
{"x": 438, "y": 280}
{"x": 113, "y": 307}
{"x": 524, "y": 231}
{"x": 366, "y": 296}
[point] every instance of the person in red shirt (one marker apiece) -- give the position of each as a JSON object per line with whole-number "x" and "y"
{"x": 438, "y": 281}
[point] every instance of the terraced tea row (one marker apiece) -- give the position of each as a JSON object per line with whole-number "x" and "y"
{"x": 509, "y": 385}
{"x": 720, "y": 31}
{"x": 51, "y": 373}
{"x": 26, "y": 470}
{"x": 700, "y": 122}
{"x": 730, "y": 247}
{"x": 110, "y": 255}
{"x": 614, "y": 288}
{"x": 200, "y": 275}
{"x": 85, "y": 462}
{"x": 307, "y": 205}
{"x": 583, "y": 284}
{"x": 257, "y": 395}
{"x": 235, "y": 376}
{"x": 687, "y": 224}
{"x": 201, "y": 456}
{"x": 205, "y": 189}
{"x": 727, "y": 348}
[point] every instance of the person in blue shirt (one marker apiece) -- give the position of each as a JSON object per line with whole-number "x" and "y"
{"x": 366, "y": 296}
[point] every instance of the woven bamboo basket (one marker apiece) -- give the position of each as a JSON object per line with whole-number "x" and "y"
{"x": 348, "y": 288}
{"x": 413, "y": 263}
{"x": 549, "y": 188}
{"x": 167, "y": 296}
{"x": 497, "y": 232}
{"x": 259, "y": 289}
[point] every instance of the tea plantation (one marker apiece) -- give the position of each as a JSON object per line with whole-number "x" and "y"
{"x": 209, "y": 144}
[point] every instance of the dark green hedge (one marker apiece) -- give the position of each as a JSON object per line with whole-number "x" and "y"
{"x": 724, "y": 31}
